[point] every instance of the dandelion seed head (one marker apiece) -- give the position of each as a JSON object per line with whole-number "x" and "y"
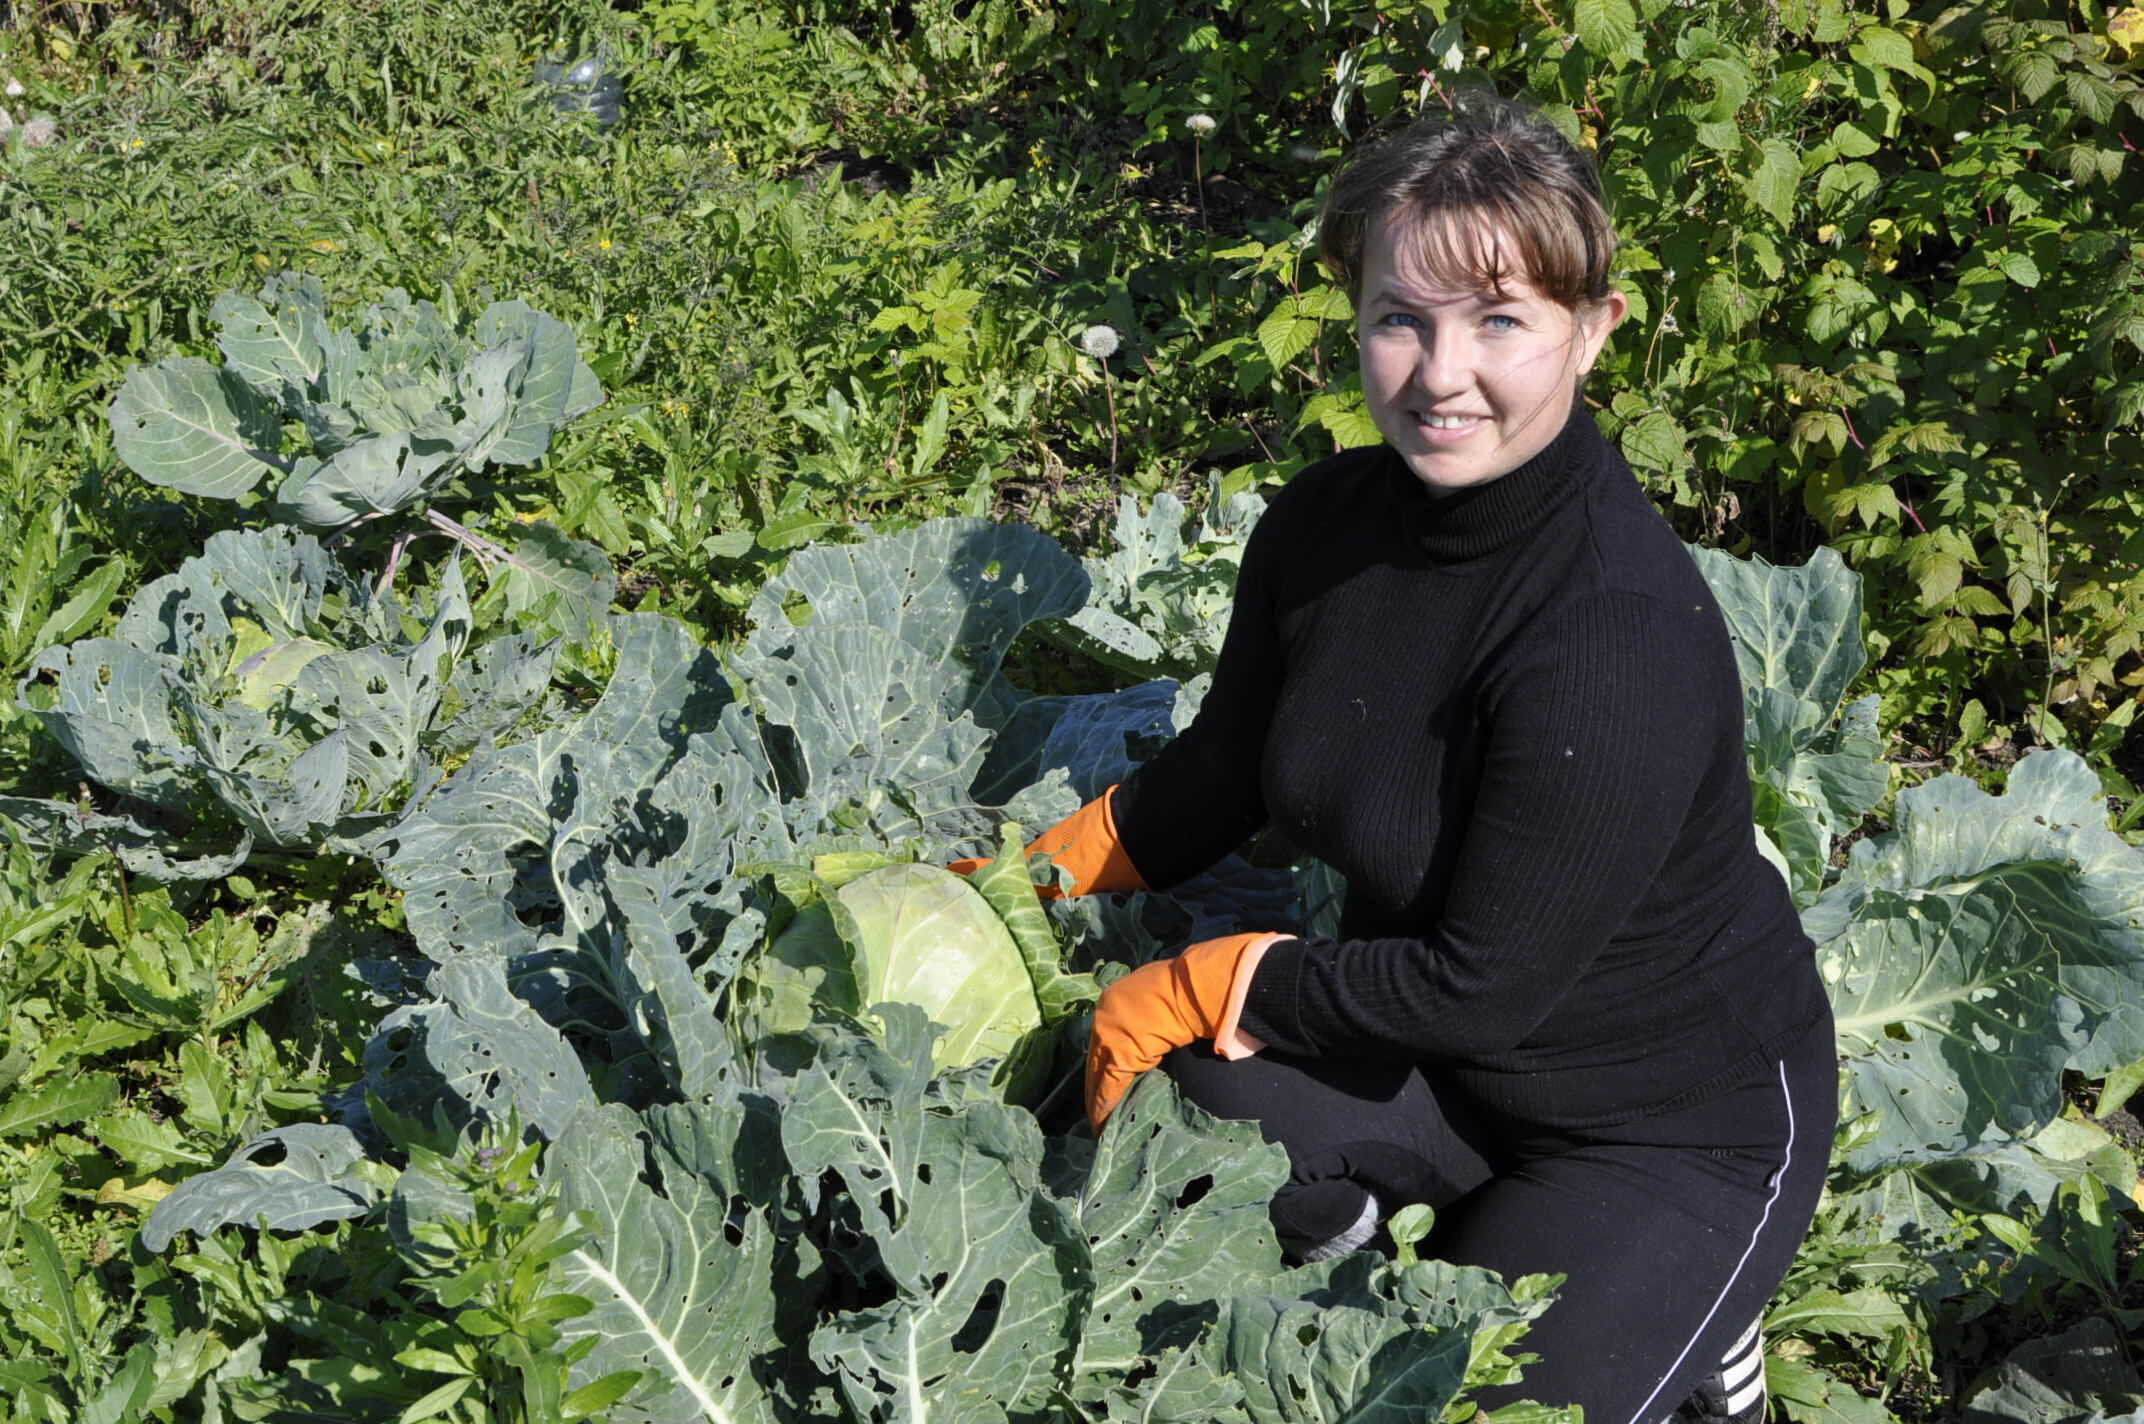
{"x": 1303, "y": 152}
{"x": 7, "y": 123}
{"x": 1201, "y": 125}
{"x": 41, "y": 130}
{"x": 1099, "y": 341}
{"x": 14, "y": 88}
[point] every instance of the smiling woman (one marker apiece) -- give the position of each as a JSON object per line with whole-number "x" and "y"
{"x": 1569, "y": 1005}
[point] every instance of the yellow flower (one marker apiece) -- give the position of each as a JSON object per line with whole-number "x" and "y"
{"x": 603, "y": 244}
{"x": 1036, "y": 158}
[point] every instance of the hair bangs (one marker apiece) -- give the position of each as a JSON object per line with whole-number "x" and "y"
{"x": 1488, "y": 197}
{"x": 1487, "y": 244}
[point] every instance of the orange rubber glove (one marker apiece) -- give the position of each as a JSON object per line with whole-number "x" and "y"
{"x": 1084, "y": 843}
{"x": 1167, "y": 1004}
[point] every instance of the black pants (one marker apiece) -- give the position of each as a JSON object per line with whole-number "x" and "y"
{"x": 1674, "y": 1228}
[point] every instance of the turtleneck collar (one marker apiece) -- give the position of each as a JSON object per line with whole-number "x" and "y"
{"x": 1470, "y": 523}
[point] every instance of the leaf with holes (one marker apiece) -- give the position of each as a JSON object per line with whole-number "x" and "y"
{"x": 1977, "y": 951}
{"x": 285, "y": 1180}
{"x": 983, "y": 1262}
{"x": 1173, "y": 1205}
{"x": 680, "y": 1274}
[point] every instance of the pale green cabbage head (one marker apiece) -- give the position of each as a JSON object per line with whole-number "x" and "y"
{"x": 916, "y": 934}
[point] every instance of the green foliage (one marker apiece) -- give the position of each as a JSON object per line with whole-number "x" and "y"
{"x": 486, "y": 1240}
{"x": 1160, "y": 598}
{"x": 1883, "y": 270}
{"x": 1902, "y": 306}
{"x": 2077, "y": 1243}
{"x": 132, "y": 1054}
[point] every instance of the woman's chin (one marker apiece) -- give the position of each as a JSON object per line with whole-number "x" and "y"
{"x": 1440, "y": 473}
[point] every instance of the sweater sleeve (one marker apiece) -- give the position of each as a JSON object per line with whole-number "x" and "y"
{"x": 1202, "y": 795}
{"x": 1595, "y": 735}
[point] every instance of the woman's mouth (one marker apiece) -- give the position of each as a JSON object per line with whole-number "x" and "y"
{"x": 1447, "y": 429}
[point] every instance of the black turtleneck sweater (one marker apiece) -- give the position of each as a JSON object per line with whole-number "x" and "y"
{"x": 1510, "y": 716}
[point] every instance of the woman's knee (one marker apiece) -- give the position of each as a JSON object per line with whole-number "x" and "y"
{"x": 1362, "y": 1140}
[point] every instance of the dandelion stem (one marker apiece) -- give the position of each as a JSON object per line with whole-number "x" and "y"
{"x": 1198, "y": 178}
{"x": 1109, "y": 386}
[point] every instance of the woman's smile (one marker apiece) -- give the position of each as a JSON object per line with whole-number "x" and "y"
{"x": 1448, "y": 429}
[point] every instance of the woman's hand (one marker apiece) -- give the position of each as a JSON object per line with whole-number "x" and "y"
{"x": 1165, "y": 1005}
{"x": 1085, "y": 844}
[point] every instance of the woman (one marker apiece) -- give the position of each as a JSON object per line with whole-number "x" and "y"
{"x": 1570, "y": 1006}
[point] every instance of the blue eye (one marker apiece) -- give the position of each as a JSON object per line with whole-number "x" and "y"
{"x": 1395, "y": 318}
{"x": 1511, "y": 322}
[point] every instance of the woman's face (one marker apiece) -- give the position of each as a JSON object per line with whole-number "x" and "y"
{"x": 1466, "y": 383}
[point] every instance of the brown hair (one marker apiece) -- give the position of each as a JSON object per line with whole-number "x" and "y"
{"x": 1493, "y": 173}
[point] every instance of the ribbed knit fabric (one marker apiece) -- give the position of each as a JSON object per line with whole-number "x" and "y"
{"x": 1510, "y": 716}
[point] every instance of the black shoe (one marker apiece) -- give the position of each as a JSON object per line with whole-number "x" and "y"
{"x": 1732, "y": 1394}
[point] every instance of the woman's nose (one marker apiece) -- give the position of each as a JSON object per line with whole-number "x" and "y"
{"x": 1440, "y": 364}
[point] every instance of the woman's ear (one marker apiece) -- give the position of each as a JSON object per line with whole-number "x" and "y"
{"x": 1595, "y": 321}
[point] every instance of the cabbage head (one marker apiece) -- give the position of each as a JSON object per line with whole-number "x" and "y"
{"x": 914, "y": 934}
{"x": 974, "y": 953}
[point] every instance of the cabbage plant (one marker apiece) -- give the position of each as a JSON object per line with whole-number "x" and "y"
{"x": 348, "y": 423}
{"x": 344, "y": 425}
{"x": 262, "y": 691}
{"x": 1160, "y": 602}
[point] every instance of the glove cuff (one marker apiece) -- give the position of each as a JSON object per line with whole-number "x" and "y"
{"x": 1230, "y": 1041}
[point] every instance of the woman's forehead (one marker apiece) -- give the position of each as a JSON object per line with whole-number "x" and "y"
{"x": 1444, "y": 257}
